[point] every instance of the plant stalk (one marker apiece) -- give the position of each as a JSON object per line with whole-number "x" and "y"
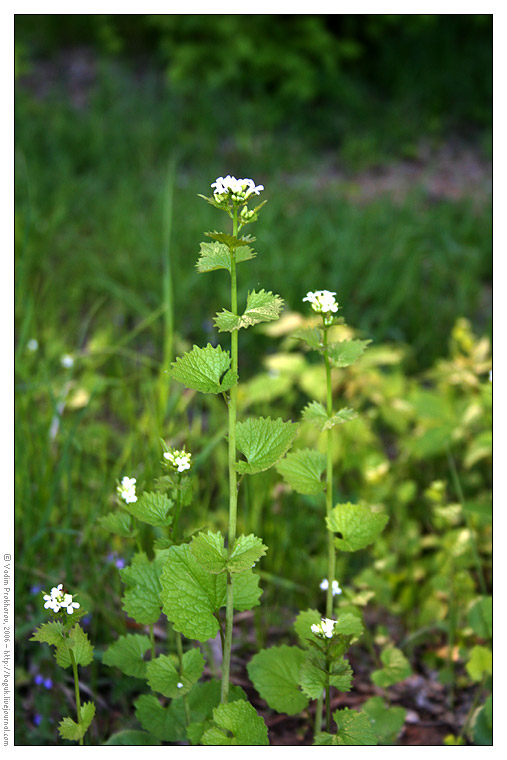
{"x": 152, "y": 642}
{"x": 331, "y": 555}
{"x": 179, "y": 647}
{"x": 233, "y": 485}
{"x": 76, "y": 691}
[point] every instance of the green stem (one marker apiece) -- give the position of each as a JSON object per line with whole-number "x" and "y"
{"x": 331, "y": 554}
{"x": 328, "y": 706}
{"x": 233, "y": 486}
{"x": 450, "y": 643}
{"x": 176, "y": 520}
{"x": 179, "y": 647}
{"x": 152, "y": 640}
{"x": 76, "y": 690}
{"x": 473, "y": 539}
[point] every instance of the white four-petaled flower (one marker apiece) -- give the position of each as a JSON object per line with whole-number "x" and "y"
{"x": 127, "y": 490}
{"x": 322, "y": 301}
{"x": 238, "y": 190}
{"x": 324, "y": 629}
{"x": 179, "y": 460}
{"x": 334, "y": 586}
{"x": 58, "y": 599}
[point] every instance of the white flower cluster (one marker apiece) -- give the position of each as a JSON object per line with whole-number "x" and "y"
{"x": 325, "y": 628}
{"x": 323, "y": 302}
{"x": 179, "y": 460}
{"x": 238, "y": 190}
{"x": 58, "y": 599}
{"x": 127, "y": 490}
{"x": 334, "y": 586}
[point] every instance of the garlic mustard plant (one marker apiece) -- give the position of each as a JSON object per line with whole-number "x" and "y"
{"x": 318, "y": 665}
{"x": 72, "y": 648}
{"x": 216, "y": 571}
{"x": 191, "y": 578}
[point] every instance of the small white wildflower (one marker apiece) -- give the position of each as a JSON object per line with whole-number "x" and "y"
{"x": 50, "y": 603}
{"x": 179, "y": 460}
{"x": 58, "y": 599}
{"x": 67, "y": 361}
{"x": 33, "y": 344}
{"x": 323, "y": 302}
{"x": 238, "y": 190}
{"x": 324, "y": 629}
{"x": 69, "y": 604}
{"x": 334, "y": 586}
{"x": 179, "y": 685}
{"x": 127, "y": 490}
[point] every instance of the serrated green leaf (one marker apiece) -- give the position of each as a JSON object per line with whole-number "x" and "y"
{"x": 237, "y": 724}
{"x": 214, "y": 256}
{"x": 191, "y": 596}
{"x": 247, "y": 550}
{"x": 205, "y": 369}
{"x": 313, "y": 678}
{"x": 72, "y": 731}
{"x": 132, "y": 738}
{"x": 119, "y": 523}
{"x": 275, "y": 674}
{"x": 230, "y": 241}
{"x": 354, "y": 729}
{"x": 312, "y": 336}
{"x": 479, "y": 663}
{"x": 159, "y": 721}
{"x": 141, "y": 600}
{"x": 263, "y": 441}
{"x": 127, "y": 654}
{"x": 217, "y": 256}
{"x": 49, "y": 633}
{"x": 396, "y": 669}
{"x": 77, "y": 642}
{"x": 201, "y": 700}
{"x": 346, "y": 352}
{"x": 357, "y": 526}
{"x": 152, "y": 508}
{"x": 210, "y": 552}
{"x": 214, "y": 203}
{"x": 315, "y": 413}
{"x": 348, "y": 624}
{"x": 386, "y": 722}
{"x": 260, "y": 307}
{"x": 302, "y": 470}
{"x": 246, "y": 590}
{"x": 163, "y": 676}
{"x": 303, "y": 626}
